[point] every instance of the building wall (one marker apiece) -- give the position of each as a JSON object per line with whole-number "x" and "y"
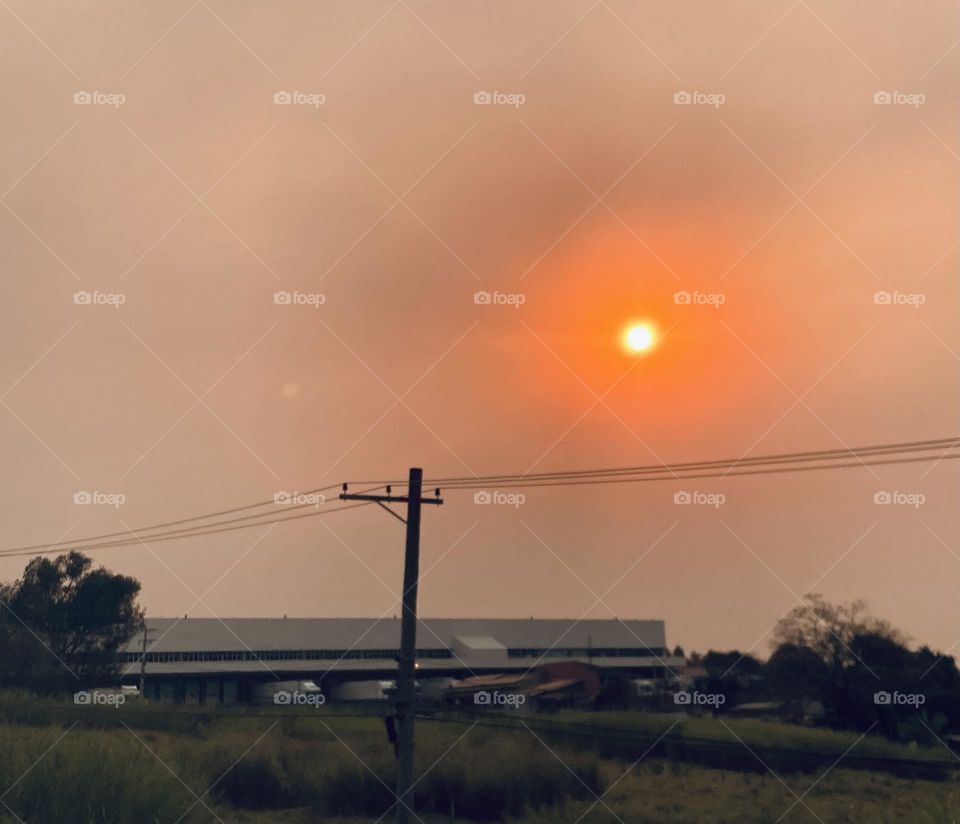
{"x": 201, "y": 661}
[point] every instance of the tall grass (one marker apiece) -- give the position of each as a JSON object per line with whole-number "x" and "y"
{"x": 80, "y": 777}
{"x": 482, "y": 777}
{"x": 661, "y": 792}
{"x": 103, "y": 766}
{"x": 755, "y": 732}
{"x": 127, "y": 770}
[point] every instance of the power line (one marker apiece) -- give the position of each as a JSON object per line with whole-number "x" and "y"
{"x": 145, "y": 529}
{"x": 175, "y": 534}
{"x": 867, "y": 456}
{"x": 135, "y": 535}
{"x": 790, "y": 457}
{"x": 524, "y": 484}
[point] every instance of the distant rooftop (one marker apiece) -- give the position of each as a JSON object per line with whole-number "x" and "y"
{"x": 208, "y": 634}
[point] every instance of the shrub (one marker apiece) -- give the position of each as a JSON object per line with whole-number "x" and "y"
{"x": 258, "y": 782}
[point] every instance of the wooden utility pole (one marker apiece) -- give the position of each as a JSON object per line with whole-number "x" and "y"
{"x": 406, "y": 691}
{"x": 406, "y": 670}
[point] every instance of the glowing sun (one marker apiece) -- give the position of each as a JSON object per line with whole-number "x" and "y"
{"x": 639, "y": 337}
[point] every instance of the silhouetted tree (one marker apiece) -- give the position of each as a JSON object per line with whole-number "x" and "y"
{"x": 796, "y": 674}
{"x": 737, "y": 675}
{"x": 829, "y": 629}
{"x": 63, "y": 622}
{"x": 862, "y": 672}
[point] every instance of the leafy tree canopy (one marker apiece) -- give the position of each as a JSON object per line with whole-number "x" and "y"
{"x": 64, "y": 622}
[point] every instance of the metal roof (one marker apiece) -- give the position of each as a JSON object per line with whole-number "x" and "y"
{"x": 213, "y": 634}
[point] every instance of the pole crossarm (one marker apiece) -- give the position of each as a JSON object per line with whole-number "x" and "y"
{"x": 388, "y": 498}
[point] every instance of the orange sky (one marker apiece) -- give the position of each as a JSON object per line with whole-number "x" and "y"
{"x": 597, "y": 199}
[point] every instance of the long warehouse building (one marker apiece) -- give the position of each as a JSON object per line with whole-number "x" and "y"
{"x": 209, "y": 660}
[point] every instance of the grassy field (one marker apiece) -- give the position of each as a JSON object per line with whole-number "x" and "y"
{"x": 663, "y": 793}
{"x": 755, "y": 733}
{"x": 656, "y": 794}
{"x": 279, "y": 767}
{"x": 18, "y": 708}
{"x": 320, "y": 766}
